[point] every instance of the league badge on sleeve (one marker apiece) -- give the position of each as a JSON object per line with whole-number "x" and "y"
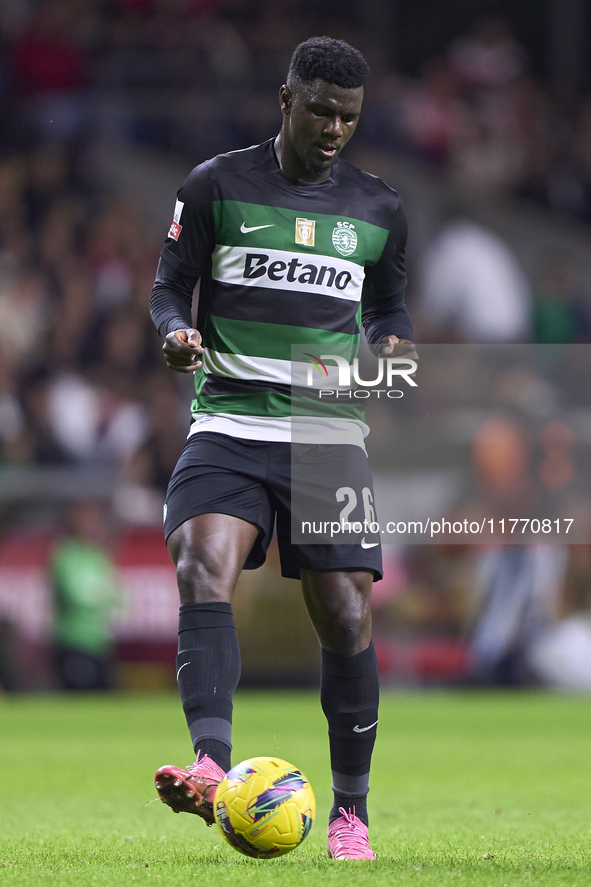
{"x": 176, "y": 228}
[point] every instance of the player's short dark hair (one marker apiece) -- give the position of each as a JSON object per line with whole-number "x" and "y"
{"x": 324, "y": 58}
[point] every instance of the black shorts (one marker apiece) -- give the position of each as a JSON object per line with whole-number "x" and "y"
{"x": 252, "y": 480}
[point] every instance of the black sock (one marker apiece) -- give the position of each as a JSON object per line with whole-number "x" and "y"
{"x": 356, "y": 804}
{"x": 208, "y": 671}
{"x": 217, "y": 751}
{"x": 349, "y": 692}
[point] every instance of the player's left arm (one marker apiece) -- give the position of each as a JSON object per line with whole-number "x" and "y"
{"x": 388, "y": 344}
{"x": 384, "y": 315}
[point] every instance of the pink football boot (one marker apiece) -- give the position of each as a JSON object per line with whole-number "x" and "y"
{"x": 347, "y": 837}
{"x": 190, "y": 790}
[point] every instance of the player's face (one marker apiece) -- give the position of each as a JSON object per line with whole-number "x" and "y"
{"x": 319, "y": 119}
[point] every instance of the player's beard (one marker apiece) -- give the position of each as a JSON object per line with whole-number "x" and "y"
{"x": 315, "y": 168}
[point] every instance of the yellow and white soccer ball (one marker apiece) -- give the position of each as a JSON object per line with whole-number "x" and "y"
{"x": 264, "y": 807}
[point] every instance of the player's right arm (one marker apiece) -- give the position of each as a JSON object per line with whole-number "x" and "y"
{"x": 185, "y": 256}
{"x": 170, "y": 309}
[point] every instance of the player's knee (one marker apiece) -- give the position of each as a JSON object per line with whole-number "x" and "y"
{"x": 346, "y": 629}
{"x": 202, "y": 579}
{"x": 351, "y": 624}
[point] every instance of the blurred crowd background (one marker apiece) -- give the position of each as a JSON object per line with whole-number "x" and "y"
{"x": 478, "y": 112}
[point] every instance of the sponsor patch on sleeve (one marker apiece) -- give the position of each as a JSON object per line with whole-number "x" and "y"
{"x": 176, "y": 227}
{"x": 174, "y": 230}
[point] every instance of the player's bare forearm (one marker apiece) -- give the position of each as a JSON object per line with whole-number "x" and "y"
{"x": 182, "y": 349}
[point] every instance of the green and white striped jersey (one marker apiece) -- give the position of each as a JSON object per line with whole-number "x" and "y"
{"x": 281, "y": 263}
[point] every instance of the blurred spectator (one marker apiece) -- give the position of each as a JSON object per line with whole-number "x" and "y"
{"x": 50, "y": 65}
{"x": 8, "y": 655}
{"x": 23, "y": 317}
{"x": 114, "y": 241}
{"x": 15, "y": 236}
{"x": 432, "y": 113}
{"x": 40, "y": 443}
{"x": 516, "y": 597}
{"x": 560, "y": 312}
{"x": 86, "y": 595}
{"x": 48, "y": 177}
{"x": 139, "y": 497}
{"x": 229, "y": 56}
{"x": 102, "y": 423}
{"x": 560, "y": 655}
{"x": 489, "y": 58}
{"x": 12, "y": 418}
{"x": 488, "y": 151}
{"x": 472, "y": 288}
{"x": 568, "y": 187}
{"x": 74, "y": 414}
{"x": 501, "y": 457}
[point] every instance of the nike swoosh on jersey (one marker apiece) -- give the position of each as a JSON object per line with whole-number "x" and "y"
{"x": 365, "y": 544}
{"x": 246, "y": 230}
{"x": 358, "y": 729}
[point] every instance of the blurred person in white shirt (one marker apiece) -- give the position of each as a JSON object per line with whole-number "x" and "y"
{"x": 472, "y": 287}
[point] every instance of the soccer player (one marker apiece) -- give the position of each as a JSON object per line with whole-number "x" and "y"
{"x": 289, "y": 242}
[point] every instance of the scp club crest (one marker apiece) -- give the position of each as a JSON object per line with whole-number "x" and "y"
{"x": 344, "y": 238}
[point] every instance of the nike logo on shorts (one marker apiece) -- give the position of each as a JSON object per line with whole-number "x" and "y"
{"x": 365, "y": 544}
{"x": 358, "y": 729}
{"x": 246, "y": 230}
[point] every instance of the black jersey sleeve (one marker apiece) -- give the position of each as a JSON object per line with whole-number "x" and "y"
{"x": 191, "y": 237}
{"x": 383, "y": 312}
{"x": 171, "y": 299}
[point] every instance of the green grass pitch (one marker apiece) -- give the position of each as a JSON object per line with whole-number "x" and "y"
{"x": 467, "y": 789}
